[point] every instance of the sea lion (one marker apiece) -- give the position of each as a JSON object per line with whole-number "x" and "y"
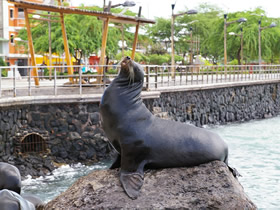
{"x": 143, "y": 140}
{"x": 10, "y": 200}
{"x": 36, "y": 201}
{"x": 10, "y": 177}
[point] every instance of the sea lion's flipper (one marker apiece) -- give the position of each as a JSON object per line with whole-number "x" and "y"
{"x": 132, "y": 183}
{"x": 116, "y": 163}
{"x": 133, "y": 161}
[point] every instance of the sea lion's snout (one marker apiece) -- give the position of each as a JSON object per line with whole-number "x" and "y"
{"x": 125, "y": 62}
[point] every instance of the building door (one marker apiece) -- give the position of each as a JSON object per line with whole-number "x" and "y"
{"x": 22, "y": 71}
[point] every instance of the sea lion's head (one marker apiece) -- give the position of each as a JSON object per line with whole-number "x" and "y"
{"x": 132, "y": 70}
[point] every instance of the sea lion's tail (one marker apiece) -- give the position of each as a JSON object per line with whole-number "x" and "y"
{"x": 234, "y": 172}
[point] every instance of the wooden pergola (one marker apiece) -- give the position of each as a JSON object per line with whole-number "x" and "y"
{"x": 105, "y": 16}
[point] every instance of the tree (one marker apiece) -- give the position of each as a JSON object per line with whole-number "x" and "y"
{"x": 3, "y": 71}
{"x": 83, "y": 32}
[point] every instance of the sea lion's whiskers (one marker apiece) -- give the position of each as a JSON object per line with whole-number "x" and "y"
{"x": 131, "y": 74}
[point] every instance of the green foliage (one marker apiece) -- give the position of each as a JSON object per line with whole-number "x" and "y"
{"x": 139, "y": 57}
{"x": 233, "y": 62}
{"x": 112, "y": 71}
{"x": 2, "y": 62}
{"x": 85, "y": 33}
{"x": 157, "y": 49}
{"x": 159, "y": 59}
{"x": 4, "y": 72}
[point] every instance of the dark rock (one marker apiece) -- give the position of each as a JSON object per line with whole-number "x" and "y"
{"x": 78, "y": 144}
{"x": 88, "y": 134}
{"x": 63, "y": 154}
{"x": 74, "y": 135}
{"x": 83, "y": 117}
{"x": 208, "y": 186}
{"x": 94, "y": 118}
{"x": 71, "y": 128}
{"x": 92, "y": 108}
{"x": 91, "y": 153}
{"x": 36, "y": 116}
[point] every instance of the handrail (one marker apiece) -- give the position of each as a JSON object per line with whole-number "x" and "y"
{"x": 20, "y": 81}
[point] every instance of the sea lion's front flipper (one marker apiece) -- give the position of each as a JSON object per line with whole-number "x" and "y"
{"x": 132, "y": 183}
{"x": 116, "y": 163}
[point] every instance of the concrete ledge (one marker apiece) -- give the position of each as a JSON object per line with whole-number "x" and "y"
{"x": 215, "y": 86}
{"x": 61, "y": 99}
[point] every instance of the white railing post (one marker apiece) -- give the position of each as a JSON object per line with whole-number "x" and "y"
{"x": 14, "y": 81}
{"x": 0, "y": 82}
{"x": 80, "y": 80}
{"x": 29, "y": 81}
{"x": 55, "y": 88}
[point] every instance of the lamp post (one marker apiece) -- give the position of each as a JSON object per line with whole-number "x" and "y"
{"x": 191, "y": 47}
{"x": 240, "y": 20}
{"x": 125, "y": 4}
{"x": 241, "y": 42}
{"x": 260, "y": 30}
{"x": 190, "y": 12}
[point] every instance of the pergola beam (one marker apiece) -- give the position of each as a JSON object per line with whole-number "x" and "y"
{"x": 67, "y": 10}
{"x": 105, "y": 16}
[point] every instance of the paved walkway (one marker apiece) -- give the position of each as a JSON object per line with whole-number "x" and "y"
{"x": 22, "y": 87}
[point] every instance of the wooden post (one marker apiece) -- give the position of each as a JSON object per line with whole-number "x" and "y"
{"x": 136, "y": 35}
{"x": 135, "y": 41}
{"x": 31, "y": 48}
{"x": 103, "y": 49}
{"x": 103, "y": 45}
{"x": 50, "y": 47}
{"x": 66, "y": 48}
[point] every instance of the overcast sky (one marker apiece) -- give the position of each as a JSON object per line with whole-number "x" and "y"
{"x": 162, "y": 8}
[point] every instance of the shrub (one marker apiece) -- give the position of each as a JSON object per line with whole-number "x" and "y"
{"x": 4, "y": 72}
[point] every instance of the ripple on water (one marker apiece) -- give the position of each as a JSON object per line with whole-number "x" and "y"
{"x": 53, "y": 184}
{"x": 254, "y": 152}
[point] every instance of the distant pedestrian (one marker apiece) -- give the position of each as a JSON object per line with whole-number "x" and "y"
{"x": 42, "y": 68}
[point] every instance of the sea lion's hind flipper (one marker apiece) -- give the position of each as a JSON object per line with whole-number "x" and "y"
{"x": 116, "y": 163}
{"x": 132, "y": 183}
{"x": 234, "y": 172}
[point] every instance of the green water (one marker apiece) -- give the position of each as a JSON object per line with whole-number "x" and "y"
{"x": 254, "y": 152}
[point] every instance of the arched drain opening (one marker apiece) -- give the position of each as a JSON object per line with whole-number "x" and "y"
{"x": 33, "y": 143}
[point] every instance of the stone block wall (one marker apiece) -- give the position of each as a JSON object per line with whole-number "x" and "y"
{"x": 220, "y": 106}
{"x": 72, "y": 133}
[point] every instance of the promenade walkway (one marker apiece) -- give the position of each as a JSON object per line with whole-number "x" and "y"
{"x": 157, "y": 79}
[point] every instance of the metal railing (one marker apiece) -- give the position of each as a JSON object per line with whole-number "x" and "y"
{"x": 20, "y": 81}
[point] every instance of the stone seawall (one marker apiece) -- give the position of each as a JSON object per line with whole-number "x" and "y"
{"x": 72, "y": 131}
{"x": 221, "y": 105}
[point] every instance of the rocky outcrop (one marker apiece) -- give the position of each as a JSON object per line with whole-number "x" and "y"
{"x": 208, "y": 186}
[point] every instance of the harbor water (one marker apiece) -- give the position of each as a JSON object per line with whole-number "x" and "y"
{"x": 254, "y": 151}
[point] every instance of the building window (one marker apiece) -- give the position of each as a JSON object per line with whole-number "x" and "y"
{"x": 12, "y": 39}
{"x": 33, "y": 143}
{"x": 20, "y": 13}
{"x": 11, "y": 13}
